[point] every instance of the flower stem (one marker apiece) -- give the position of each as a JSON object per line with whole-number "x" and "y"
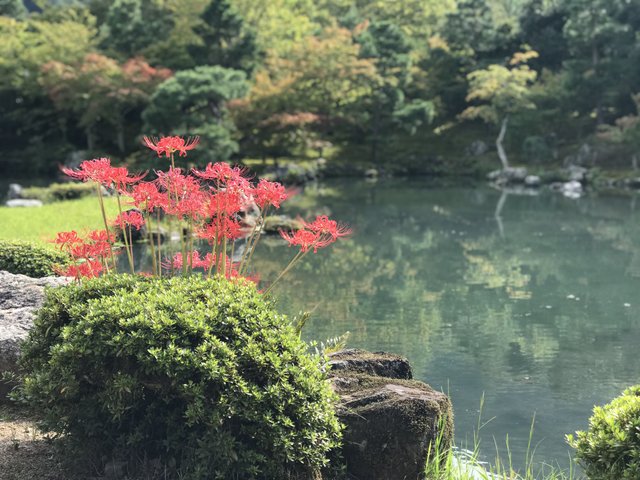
{"x": 106, "y": 224}
{"x": 124, "y": 234}
{"x": 154, "y": 262}
{"x": 299, "y": 256}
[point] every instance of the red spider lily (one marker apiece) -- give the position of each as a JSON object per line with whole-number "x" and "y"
{"x": 146, "y": 196}
{"x": 99, "y": 250}
{"x": 324, "y": 226}
{"x": 269, "y": 193}
{"x": 101, "y": 236}
{"x": 66, "y": 239}
{"x": 305, "y": 239}
{"x": 132, "y": 218}
{"x": 81, "y": 251}
{"x": 222, "y": 172}
{"x": 87, "y": 269}
{"x": 193, "y": 258}
{"x": 226, "y": 202}
{"x": 97, "y": 170}
{"x": 170, "y": 145}
{"x": 192, "y": 206}
{"x": 220, "y": 228}
{"x": 177, "y": 183}
{"x": 119, "y": 178}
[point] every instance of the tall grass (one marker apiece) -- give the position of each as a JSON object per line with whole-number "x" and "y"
{"x": 465, "y": 463}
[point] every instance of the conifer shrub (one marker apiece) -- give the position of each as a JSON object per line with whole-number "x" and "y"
{"x": 29, "y": 259}
{"x": 610, "y": 448}
{"x": 200, "y": 373}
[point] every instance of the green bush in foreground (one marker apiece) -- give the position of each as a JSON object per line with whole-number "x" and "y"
{"x": 610, "y": 449}
{"x": 202, "y": 374}
{"x": 29, "y": 259}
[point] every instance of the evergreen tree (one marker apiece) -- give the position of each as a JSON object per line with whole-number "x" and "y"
{"x": 193, "y": 102}
{"x": 388, "y": 109}
{"x": 224, "y": 39}
{"x": 602, "y": 40}
{"x": 13, "y": 8}
{"x": 133, "y": 25}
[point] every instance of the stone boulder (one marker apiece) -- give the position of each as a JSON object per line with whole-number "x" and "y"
{"x": 379, "y": 364}
{"x": 508, "y": 175}
{"x": 15, "y": 191}
{"x": 390, "y": 423}
{"x": 20, "y": 297}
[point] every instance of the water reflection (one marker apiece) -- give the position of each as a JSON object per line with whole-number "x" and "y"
{"x": 538, "y": 311}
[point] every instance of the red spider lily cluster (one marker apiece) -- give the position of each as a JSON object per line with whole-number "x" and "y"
{"x": 90, "y": 255}
{"x": 213, "y": 204}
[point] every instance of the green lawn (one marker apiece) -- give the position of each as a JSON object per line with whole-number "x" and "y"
{"x": 40, "y": 224}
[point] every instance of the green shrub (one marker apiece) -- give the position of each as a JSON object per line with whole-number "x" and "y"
{"x": 203, "y": 374}
{"x": 610, "y": 449}
{"x": 29, "y": 259}
{"x": 60, "y": 191}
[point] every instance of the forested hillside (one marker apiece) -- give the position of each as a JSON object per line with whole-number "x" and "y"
{"x": 415, "y": 83}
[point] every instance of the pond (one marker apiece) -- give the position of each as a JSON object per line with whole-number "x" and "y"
{"x": 536, "y": 311}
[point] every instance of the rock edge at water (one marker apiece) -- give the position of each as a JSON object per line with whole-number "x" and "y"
{"x": 391, "y": 422}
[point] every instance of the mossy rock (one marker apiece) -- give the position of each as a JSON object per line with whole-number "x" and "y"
{"x": 275, "y": 223}
{"x": 379, "y": 364}
{"x": 391, "y": 425}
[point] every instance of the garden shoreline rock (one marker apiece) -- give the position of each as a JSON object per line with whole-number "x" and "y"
{"x": 20, "y": 298}
{"x": 391, "y": 422}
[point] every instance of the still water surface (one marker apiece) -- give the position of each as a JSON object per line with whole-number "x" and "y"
{"x": 537, "y": 311}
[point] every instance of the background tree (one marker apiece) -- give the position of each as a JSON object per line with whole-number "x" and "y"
{"x": 100, "y": 91}
{"x": 223, "y": 39}
{"x": 500, "y": 91}
{"x": 320, "y": 83}
{"x": 30, "y": 127}
{"x": 193, "y": 102}
{"x": 13, "y": 8}
{"x": 387, "y": 108}
{"x": 602, "y": 39}
{"x": 133, "y": 25}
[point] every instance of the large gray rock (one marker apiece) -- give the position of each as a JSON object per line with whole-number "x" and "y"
{"x": 390, "y": 423}
{"x": 576, "y": 173}
{"x": 20, "y": 297}
{"x": 508, "y": 175}
{"x": 380, "y": 364}
{"x": 15, "y": 191}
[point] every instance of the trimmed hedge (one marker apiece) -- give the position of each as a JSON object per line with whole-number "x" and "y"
{"x": 610, "y": 449}
{"x": 29, "y": 259}
{"x": 202, "y": 374}
{"x": 60, "y": 191}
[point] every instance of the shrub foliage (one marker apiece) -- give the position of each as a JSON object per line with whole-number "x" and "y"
{"x": 29, "y": 259}
{"x": 60, "y": 191}
{"x": 610, "y": 449}
{"x": 203, "y": 374}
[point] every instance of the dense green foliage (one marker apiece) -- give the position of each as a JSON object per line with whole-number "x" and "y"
{"x": 364, "y": 81}
{"x": 201, "y": 373}
{"x": 60, "y": 191}
{"x": 610, "y": 449}
{"x": 29, "y": 259}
